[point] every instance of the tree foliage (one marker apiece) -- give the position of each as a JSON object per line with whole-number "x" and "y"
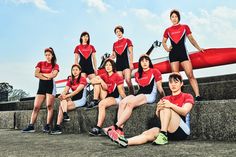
{"x": 5, "y": 87}
{"x": 17, "y": 94}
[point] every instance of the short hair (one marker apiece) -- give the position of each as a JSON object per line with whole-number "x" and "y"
{"x": 175, "y": 12}
{"x": 175, "y": 76}
{"x": 120, "y": 28}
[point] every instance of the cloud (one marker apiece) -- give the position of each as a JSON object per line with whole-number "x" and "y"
{"x": 97, "y": 4}
{"x": 211, "y": 28}
{"x": 41, "y": 4}
{"x": 215, "y": 28}
{"x": 143, "y": 13}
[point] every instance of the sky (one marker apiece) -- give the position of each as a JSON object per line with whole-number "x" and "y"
{"x": 29, "y": 26}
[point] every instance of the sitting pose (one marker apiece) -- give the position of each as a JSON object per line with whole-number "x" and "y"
{"x": 110, "y": 87}
{"x": 70, "y": 101}
{"x": 149, "y": 81}
{"x": 173, "y": 112}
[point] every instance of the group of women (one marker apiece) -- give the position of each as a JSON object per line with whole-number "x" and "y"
{"x": 109, "y": 87}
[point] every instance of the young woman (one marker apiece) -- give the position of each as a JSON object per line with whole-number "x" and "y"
{"x": 110, "y": 88}
{"x": 149, "y": 81}
{"x": 173, "y": 112}
{"x": 70, "y": 101}
{"x": 123, "y": 52}
{"x": 177, "y": 51}
{"x": 46, "y": 71}
{"x": 85, "y": 53}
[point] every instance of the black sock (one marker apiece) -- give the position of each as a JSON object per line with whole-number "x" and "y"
{"x": 116, "y": 127}
{"x": 121, "y": 129}
{"x": 64, "y": 113}
{"x": 164, "y": 132}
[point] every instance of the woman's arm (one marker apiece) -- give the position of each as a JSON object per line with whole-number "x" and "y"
{"x": 113, "y": 55}
{"x": 160, "y": 89}
{"x": 63, "y": 94}
{"x": 98, "y": 80}
{"x": 103, "y": 84}
{"x": 78, "y": 89}
{"x": 130, "y": 48}
{"x": 121, "y": 90}
{"x": 40, "y": 75}
{"x": 94, "y": 62}
{"x": 194, "y": 43}
{"x": 51, "y": 75}
{"x": 76, "y": 58}
{"x": 164, "y": 40}
{"x": 183, "y": 111}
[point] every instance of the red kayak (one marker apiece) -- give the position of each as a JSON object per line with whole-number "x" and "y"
{"x": 209, "y": 58}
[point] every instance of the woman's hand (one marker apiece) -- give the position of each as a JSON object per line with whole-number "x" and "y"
{"x": 167, "y": 103}
{"x": 201, "y": 50}
{"x": 160, "y": 106}
{"x": 131, "y": 66}
{"x": 169, "y": 48}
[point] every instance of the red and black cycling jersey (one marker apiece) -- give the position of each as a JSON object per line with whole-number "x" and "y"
{"x": 46, "y": 67}
{"x": 120, "y": 47}
{"x": 74, "y": 85}
{"x": 180, "y": 100}
{"x": 177, "y": 35}
{"x": 147, "y": 81}
{"x": 85, "y": 53}
{"x": 112, "y": 82}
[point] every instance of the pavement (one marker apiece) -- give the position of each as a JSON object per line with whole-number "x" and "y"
{"x": 13, "y": 143}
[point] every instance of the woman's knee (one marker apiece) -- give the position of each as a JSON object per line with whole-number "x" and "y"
{"x": 165, "y": 111}
{"x": 102, "y": 105}
{"x": 36, "y": 108}
{"x": 190, "y": 75}
{"x": 130, "y": 105}
{"x": 150, "y": 134}
{"x": 50, "y": 106}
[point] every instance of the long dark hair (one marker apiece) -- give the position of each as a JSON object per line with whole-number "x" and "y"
{"x": 113, "y": 64}
{"x": 83, "y": 34}
{"x": 54, "y": 58}
{"x": 175, "y": 12}
{"x": 72, "y": 76}
{"x": 140, "y": 69}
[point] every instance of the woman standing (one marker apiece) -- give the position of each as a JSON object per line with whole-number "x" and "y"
{"x": 110, "y": 88}
{"x": 46, "y": 71}
{"x": 70, "y": 101}
{"x": 123, "y": 52}
{"x": 85, "y": 56}
{"x": 177, "y": 51}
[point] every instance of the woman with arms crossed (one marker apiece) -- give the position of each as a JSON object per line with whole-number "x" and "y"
{"x": 45, "y": 71}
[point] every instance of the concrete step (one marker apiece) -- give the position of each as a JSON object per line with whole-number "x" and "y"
{"x": 211, "y": 88}
{"x": 23, "y": 105}
{"x": 210, "y": 91}
{"x": 219, "y": 90}
{"x": 210, "y": 120}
